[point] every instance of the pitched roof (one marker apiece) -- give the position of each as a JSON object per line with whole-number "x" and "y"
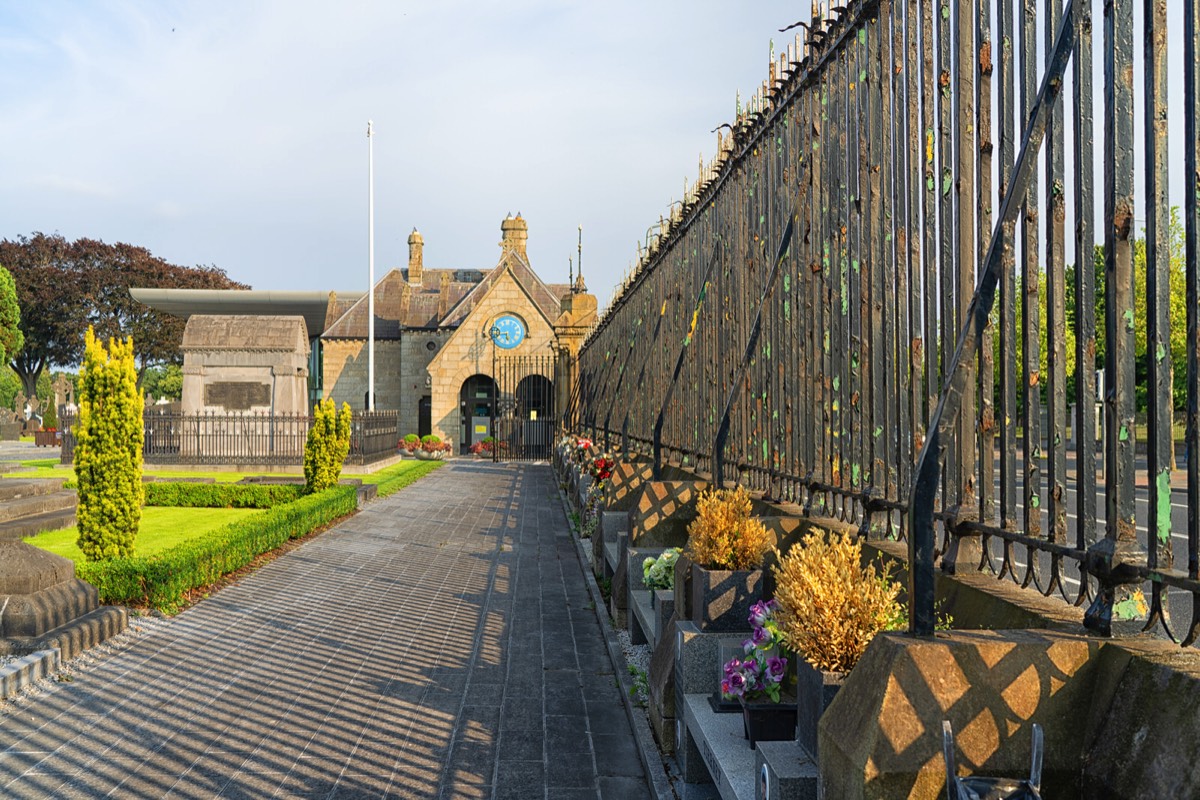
{"x": 400, "y": 305}
{"x": 543, "y": 298}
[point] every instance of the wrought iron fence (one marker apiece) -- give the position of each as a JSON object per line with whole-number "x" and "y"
{"x": 873, "y": 292}
{"x": 526, "y": 419}
{"x": 210, "y": 439}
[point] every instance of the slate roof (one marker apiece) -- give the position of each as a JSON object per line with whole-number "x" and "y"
{"x": 399, "y": 305}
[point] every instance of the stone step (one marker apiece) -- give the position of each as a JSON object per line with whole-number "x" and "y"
{"x": 34, "y": 505}
{"x": 16, "y": 488}
{"x": 37, "y": 523}
{"x": 10, "y": 467}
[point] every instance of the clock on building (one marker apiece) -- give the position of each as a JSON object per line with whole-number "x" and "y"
{"x": 507, "y": 331}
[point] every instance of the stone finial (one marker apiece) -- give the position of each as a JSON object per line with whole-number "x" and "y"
{"x": 416, "y": 259}
{"x": 514, "y": 233}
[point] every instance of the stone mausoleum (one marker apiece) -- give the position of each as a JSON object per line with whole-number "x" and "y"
{"x": 454, "y": 348}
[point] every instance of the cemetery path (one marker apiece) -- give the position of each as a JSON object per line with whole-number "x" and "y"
{"x": 439, "y": 644}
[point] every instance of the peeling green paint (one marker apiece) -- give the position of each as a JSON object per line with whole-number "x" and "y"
{"x": 878, "y": 431}
{"x": 854, "y": 264}
{"x": 787, "y": 283}
{"x": 765, "y": 450}
{"x": 1132, "y": 607}
{"x": 1035, "y": 501}
{"x": 1160, "y": 353}
{"x": 862, "y": 35}
{"x": 837, "y": 383}
{"x": 947, "y": 182}
{"x": 1162, "y": 499}
{"x": 767, "y": 350}
{"x": 1123, "y": 434}
{"x": 1128, "y": 319}
{"x": 787, "y": 310}
{"x": 855, "y": 474}
{"x": 862, "y": 76}
{"x": 929, "y": 182}
{"x": 762, "y": 218}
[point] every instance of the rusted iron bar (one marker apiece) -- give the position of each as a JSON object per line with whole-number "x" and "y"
{"x": 1119, "y": 605}
{"x": 752, "y": 341}
{"x": 1191, "y": 116}
{"x": 921, "y": 503}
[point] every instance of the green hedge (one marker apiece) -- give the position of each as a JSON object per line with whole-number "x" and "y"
{"x": 416, "y": 471}
{"x": 222, "y": 495}
{"x": 161, "y": 581}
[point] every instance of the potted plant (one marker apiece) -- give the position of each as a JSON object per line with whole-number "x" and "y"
{"x": 658, "y": 574}
{"x": 484, "y": 447}
{"x": 757, "y": 680}
{"x": 432, "y": 448}
{"x": 830, "y": 606}
{"x": 726, "y": 547}
{"x": 410, "y": 444}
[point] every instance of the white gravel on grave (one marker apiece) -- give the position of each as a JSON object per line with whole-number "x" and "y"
{"x": 139, "y": 627}
{"x": 636, "y": 655}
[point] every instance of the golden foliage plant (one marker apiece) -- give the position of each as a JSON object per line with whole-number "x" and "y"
{"x": 724, "y": 535}
{"x": 108, "y": 450}
{"x": 830, "y": 605}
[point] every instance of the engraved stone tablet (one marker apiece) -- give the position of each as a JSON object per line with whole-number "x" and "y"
{"x": 237, "y": 395}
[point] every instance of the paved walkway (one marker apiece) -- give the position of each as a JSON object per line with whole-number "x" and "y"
{"x": 440, "y": 644}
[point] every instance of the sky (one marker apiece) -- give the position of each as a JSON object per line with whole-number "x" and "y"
{"x": 234, "y": 133}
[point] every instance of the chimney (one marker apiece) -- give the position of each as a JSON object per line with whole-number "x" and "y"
{"x": 415, "y": 259}
{"x": 514, "y": 232}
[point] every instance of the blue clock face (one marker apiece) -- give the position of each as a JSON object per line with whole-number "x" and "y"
{"x": 507, "y": 332}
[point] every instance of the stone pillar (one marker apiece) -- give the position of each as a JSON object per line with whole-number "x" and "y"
{"x": 415, "y": 258}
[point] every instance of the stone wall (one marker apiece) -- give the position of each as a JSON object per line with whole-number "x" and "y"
{"x": 236, "y": 363}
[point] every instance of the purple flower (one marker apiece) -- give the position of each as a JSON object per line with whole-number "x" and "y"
{"x": 776, "y": 667}
{"x": 737, "y": 684}
{"x": 760, "y": 612}
{"x": 748, "y": 645}
{"x": 761, "y": 638}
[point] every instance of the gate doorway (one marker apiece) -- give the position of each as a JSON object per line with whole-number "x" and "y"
{"x": 425, "y": 416}
{"x": 475, "y": 411}
{"x": 526, "y": 417}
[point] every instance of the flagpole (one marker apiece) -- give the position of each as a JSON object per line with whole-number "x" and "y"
{"x": 371, "y": 270}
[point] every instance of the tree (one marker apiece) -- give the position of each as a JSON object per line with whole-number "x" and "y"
{"x": 327, "y": 445}
{"x": 108, "y": 450}
{"x": 65, "y": 286}
{"x": 54, "y": 304}
{"x": 163, "y": 381}
{"x": 11, "y": 338}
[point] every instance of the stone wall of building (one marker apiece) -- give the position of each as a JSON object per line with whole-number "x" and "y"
{"x": 469, "y": 351}
{"x": 345, "y": 379}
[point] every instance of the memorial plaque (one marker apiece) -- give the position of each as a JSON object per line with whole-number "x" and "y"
{"x": 237, "y": 395}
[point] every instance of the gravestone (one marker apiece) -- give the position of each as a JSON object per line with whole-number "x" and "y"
{"x": 237, "y": 368}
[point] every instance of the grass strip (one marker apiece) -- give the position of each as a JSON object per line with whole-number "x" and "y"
{"x": 396, "y": 477}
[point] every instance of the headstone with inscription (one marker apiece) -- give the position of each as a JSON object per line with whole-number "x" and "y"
{"x": 239, "y": 373}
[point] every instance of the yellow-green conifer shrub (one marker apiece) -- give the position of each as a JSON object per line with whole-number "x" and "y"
{"x": 108, "y": 450}
{"x": 724, "y": 535}
{"x": 830, "y": 605}
{"x": 327, "y": 445}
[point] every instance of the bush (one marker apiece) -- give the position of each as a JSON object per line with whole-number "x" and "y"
{"x": 221, "y": 495}
{"x": 431, "y": 439}
{"x": 163, "y": 580}
{"x": 108, "y": 450}
{"x": 659, "y": 573}
{"x": 830, "y": 606}
{"x": 327, "y": 445}
{"x": 724, "y": 535}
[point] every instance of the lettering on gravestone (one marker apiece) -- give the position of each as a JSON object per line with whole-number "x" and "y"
{"x": 237, "y": 395}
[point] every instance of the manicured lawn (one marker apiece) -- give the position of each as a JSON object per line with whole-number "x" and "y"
{"x": 161, "y": 529}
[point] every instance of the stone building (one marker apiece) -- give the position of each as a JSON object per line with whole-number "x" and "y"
{"x": 439, "y": 332}
{"x": 453, "y": 347}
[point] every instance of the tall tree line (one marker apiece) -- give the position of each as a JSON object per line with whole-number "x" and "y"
{"x": 65, "y": 286}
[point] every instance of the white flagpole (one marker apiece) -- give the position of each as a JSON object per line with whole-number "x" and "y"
{"x": 371, "y": 270}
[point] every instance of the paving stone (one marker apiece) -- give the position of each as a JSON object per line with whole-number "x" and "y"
{"x": 441, "y": 643}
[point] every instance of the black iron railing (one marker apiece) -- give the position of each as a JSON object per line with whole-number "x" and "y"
{"x": 872, "y": 304}
{"x": 210, "y": 439}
